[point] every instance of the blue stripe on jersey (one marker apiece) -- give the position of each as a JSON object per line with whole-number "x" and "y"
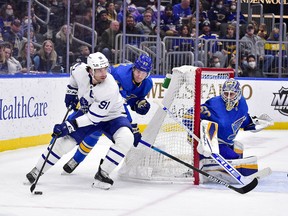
{"x": 94, "y": 114}
{"x": 117, "y": 152}
{"x": 49, "y": 162}
{"x": 111, "y": 160}
{"x": 55, "y": 155}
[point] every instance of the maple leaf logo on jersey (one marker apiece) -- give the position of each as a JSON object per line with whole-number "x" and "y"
{"x": 280, "y": 101}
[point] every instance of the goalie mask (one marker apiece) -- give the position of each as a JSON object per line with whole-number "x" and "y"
{"x": 231, "y": 93}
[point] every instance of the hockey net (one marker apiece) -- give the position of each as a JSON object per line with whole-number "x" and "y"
{"x": 189, "y": 87}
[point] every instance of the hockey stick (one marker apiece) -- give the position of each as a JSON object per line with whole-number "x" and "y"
{"x": 241, "y": 190}
{"x": 217, "y": 157}
{"x": 52, "y": 143}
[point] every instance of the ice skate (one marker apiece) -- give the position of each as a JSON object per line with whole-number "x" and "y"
{"x": 70, "y": 166}
{"x": 32, "y": 175}
{"x": 102, "y": 179}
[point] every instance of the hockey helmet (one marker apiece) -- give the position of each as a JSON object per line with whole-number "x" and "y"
{"x": 231, "y": 93}
{"x": 97, "y": 61}
{"x": 143, "y": 63}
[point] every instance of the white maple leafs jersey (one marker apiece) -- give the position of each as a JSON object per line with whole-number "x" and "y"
{"x": 105, "y": 100}
{"x": 80, "y": 79}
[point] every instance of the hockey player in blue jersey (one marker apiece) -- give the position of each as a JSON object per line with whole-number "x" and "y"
{"x": 134, "y": 83}
{"x": 230, "y": 112}
{"x": 101, "y": 111}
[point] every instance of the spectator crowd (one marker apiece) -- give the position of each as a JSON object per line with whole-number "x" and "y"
{"x": 47, "y": 46}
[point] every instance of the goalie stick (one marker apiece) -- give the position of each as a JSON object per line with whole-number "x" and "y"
{"x": 217, "y": 157}
{"x": 261, "y": 174}
{"x": 242, "y": 190}
{"x": 52, "y": 143}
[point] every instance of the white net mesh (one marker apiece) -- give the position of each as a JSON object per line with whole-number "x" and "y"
{"x": 163, "y": 132}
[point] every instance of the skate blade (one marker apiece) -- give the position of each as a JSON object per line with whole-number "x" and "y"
{"x": 65, "y": 173}
{"x": 101, "y": 185}
{"x": 26, "y": 182}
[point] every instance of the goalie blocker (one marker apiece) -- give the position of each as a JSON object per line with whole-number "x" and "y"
{"x": 209, "y": 144}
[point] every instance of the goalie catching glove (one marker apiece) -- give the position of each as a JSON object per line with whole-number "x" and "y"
{"x": 67, "y": 127}
{"x": 137, "y": 134}
{"x": 141, "y": 107}
{"x": 261, "y": 122}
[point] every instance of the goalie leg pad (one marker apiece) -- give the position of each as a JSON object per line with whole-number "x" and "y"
{"x": 246, "y": 166}
{"x": 209, "y": 139}
{"x": 238, "y": 148}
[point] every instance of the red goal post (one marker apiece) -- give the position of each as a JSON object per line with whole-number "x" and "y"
{"x": 187, "y": 89}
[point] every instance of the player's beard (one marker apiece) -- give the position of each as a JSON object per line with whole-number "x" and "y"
{"x": 100, "y": 79}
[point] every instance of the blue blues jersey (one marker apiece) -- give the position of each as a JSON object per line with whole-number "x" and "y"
{"x": 123, "y": 74}
{"x": 229, "y": 122}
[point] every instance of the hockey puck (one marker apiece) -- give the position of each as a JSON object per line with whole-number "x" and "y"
{"x": 38, "y": 192}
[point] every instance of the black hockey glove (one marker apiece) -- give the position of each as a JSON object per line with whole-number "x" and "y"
{"x": 142, "y": 107}
{"x": 137, "y": 134}
{"x": 67, "y": 127}
{"x": 71, "y": 97}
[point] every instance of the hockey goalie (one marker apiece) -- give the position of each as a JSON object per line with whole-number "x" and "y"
{"x": 221, "y": 119}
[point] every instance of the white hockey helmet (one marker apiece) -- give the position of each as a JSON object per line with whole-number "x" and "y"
{"x": 97, "y": 61}
{"x": 231, "y": 93}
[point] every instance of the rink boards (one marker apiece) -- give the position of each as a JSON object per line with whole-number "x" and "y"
{"x": 30, "y": 105}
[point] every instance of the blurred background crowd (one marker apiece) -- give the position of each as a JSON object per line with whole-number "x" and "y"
{"x": 48, "y": 36}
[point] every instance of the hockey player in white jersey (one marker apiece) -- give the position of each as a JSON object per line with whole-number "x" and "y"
{"x": 134, "y": 83}
{"x": 105, "y": 113}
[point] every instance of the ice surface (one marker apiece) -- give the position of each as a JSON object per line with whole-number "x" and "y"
{"x": 72, "y": 195}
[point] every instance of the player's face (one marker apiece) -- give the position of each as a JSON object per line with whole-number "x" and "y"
{"x": 230, "y": 95}
{"x": 99, "y": 75}
{"x": 138, "y": 75}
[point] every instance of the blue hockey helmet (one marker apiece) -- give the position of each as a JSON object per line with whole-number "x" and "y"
{"x": 231, "y": 93}
{"x": 143, "y": 63}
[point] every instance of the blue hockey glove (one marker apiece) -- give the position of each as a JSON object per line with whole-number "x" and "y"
{"x": 67, "y": 127}
{"x": 137, "y": 134}
{"x": 142, "y": 107}
{"x": 84, "y": 105}
{"x": 71, "y": 97}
